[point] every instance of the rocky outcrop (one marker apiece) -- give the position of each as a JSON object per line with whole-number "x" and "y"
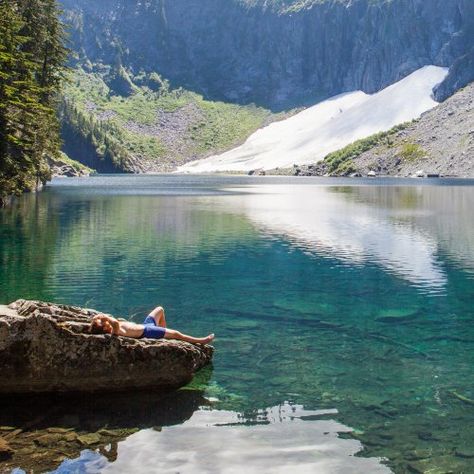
{"x": 460, "y": 74}
{"x": 45, "y": 347}
{"x": 6, "y": 451}
{"x": 65, "y": 167}
{"x": 279, "y": 56}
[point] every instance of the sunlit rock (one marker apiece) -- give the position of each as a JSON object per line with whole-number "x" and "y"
{"x": 45, "y": 347}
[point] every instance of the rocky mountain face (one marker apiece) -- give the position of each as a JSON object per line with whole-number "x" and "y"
{"x": 440, "y": 142}
{"x": 275, "y": 54}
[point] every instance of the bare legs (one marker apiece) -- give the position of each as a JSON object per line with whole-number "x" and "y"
{"x": 173, "y": 334}
{"x": 158, "y": 314}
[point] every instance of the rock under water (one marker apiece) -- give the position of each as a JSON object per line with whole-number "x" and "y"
{"x": 45, "y": 347}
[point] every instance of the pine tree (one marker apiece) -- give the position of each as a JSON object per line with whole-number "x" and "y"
{"x": 32, "y": 55}
{"x": 19, "y": 96}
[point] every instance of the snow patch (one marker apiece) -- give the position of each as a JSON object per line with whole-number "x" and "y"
{"x": 310, "y": 135}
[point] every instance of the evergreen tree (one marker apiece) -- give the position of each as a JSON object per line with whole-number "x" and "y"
{"x": 19, "y": 96}
{"x": 32, "y": 55}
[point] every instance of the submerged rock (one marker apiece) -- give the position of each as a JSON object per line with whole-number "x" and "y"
{"x": 45, "y": 347}
{"x": 467, "y": 452}
{"x": 396, "y": 316}
{"x": 5, "y": 450}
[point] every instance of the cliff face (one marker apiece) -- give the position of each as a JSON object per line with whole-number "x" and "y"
{"x": 241, "y": 52}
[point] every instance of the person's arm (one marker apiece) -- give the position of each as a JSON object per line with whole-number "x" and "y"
{"x": 117, "y": 330}
{"x": 110, "y": 324}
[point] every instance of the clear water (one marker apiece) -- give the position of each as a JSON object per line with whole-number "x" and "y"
{"x": 340, "y": 306}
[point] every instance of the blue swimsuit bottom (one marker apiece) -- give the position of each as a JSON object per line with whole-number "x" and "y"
{"x": 151, "y": 330}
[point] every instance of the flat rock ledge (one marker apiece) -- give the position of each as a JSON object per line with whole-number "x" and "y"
{"x": 45, "y": 347}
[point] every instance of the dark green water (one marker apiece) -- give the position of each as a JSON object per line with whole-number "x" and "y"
{"x": 355, "y": 298}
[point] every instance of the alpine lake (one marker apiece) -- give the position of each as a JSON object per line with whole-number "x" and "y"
{"x": 343, "y": 311}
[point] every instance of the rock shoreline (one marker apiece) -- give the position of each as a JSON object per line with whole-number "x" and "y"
{"x": 63, "y": 166}
{"x": 45, "y": 348}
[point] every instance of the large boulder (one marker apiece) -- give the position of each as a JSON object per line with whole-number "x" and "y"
{"x": 45, "y": 347}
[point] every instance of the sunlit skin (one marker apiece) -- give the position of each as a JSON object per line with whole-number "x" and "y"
{"x": 108, "y": 324}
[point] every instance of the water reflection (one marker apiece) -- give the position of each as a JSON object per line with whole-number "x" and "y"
{"x": 350, "y": 297}
{"x": 401, "y": 229}
{"x": 281, "y": 439}
{"x": 445, "y": 214}
{"x": 43, "y": 431}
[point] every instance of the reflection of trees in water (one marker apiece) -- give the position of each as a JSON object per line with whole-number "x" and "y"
{"x": 53, "y": 242}
{"x": 29, "y": 229}
{"x": 45, "y": 430}
{"x": 160, "y": 228}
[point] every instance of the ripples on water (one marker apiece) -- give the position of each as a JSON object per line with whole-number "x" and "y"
{"x": 352, "y": 298}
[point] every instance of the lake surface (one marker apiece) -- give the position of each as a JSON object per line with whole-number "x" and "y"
{"x": 343, "y": 311}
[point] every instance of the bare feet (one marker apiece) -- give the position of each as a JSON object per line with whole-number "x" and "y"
{"x": 207, "y": 339}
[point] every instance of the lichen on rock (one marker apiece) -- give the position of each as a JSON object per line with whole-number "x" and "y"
{"x": 45, "y": 347}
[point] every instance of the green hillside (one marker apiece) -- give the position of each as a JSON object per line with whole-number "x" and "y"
{"x": 154, "y": 127}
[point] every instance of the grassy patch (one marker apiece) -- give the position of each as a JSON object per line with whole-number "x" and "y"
{"x": 63, "y": 158}
{"x": 224, "y": 124}
{"x": 346, "y": 168}
{"x": 412, "y": 152}
{"x": 338, "y": 161}
{"x": 464, "y": 140}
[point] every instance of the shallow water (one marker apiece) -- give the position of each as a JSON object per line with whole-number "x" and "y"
{"x": 350, "y": 296}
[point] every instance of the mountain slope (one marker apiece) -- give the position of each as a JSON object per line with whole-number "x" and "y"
{"x": 278, "y": 54}
{"x": 440, "y": 142}
{"x": 150, "y": 130}
{"x": 159, "y": 83}
{"x": 310, "y": 135}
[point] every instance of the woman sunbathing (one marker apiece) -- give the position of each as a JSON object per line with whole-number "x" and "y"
{"x": 154, "y": 327}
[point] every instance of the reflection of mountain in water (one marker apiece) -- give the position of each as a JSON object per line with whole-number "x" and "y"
{"x": 401, "y": 229}
{"x": 444, "y": 213}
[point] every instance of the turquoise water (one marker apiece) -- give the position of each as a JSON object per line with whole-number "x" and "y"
{"x": 351, "y": 297}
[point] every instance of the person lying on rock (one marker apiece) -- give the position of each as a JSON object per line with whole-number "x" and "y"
{"x": 154, "y": 327}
